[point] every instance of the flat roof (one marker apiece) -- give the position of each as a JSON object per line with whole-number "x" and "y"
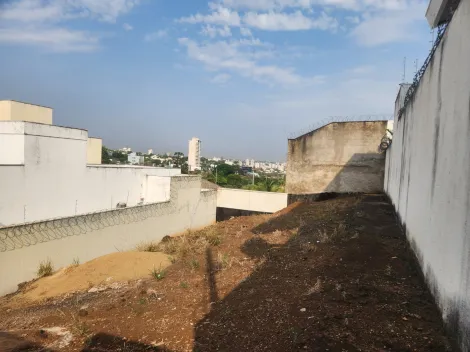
{"x": 23, "y": 102}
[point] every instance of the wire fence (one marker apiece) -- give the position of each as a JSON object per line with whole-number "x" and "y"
{"x": 441, "y": 30}
{"x": 332, "y": 119}
{"x": 28, "y": 234}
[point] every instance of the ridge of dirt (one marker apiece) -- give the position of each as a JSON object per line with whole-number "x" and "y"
{"x": 336, "y": 275}
{"x": 104, "y": 270}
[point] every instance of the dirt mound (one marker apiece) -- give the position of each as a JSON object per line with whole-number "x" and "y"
{"x": 115, "y": 267}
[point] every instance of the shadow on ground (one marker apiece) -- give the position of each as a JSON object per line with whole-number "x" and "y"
{"x": 345, "y": 281}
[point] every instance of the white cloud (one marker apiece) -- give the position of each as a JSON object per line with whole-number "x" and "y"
{"x": 275, "y": 21}
{"x": 212, "y": 31}
{"x": 60, "y": 10}
{"x": 219, "y": 15}
{"x": 221, "y": 78}
{"x": 246, "y": 32}
{"x": 43, "y": 22}
{"x": 356, "y": 5}
{"x": 231, "y": 56}
{"x": 150, "y": 37}
{"x": 397, "y": 25}
{"x": 127, "y": 27}
{"x": 56, "y": 39}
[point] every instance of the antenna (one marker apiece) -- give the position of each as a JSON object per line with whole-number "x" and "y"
{"x": 404, "y": 70}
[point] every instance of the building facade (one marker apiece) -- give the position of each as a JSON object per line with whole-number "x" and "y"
{"x": 135, "y": 159}
{"x": 194, "y": 154}
{"x": 339, "y": 157}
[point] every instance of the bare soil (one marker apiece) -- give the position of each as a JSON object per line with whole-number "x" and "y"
{"x": 335, "y": 275}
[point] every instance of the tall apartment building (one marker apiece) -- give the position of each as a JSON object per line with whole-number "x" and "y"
{"x": 194, "y": 154}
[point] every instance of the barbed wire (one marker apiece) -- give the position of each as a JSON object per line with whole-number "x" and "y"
{"x": 331, "y": 119}
{"x": 441, "y": 30}
{"x": 27, "y": 234}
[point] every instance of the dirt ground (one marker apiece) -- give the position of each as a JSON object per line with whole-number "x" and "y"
{"x": 335, "y": 275}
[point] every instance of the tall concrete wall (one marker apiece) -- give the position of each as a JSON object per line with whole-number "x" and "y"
{"x": 339, "y": 157}
{"x": 44, "y": 174}
{"x": 22, "y": 248}
{"x": 428, "y": 174}
{"x": 264, "y": 202}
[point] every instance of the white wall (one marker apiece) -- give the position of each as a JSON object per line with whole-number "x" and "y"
{"x": 90, "y": 236}
{"x": 55, "y": 181}
{"x": 428, "y": 174}
{"x": 267, "y": 202}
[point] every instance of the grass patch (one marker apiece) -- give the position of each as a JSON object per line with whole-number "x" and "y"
{"x": 190, "y": 243}
{"x": 184, "y": 284}
{"x": 147, "y": 247}
{"x": 194, "y": 264}
{"x": 45, "y": 268}
{"x": 158, "y": 274}
{"x": 223, "y": 261}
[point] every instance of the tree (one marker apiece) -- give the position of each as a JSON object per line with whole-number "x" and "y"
{"x": 105, "y": 159}
{"x": 184, "y": 169}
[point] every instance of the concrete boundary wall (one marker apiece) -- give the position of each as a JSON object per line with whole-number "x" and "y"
{"x": 264, "y": 202}
{"x": 428, "y": 174}
{"x": 86, "y": 237}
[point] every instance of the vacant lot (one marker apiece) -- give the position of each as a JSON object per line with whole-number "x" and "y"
{"x": 335, "y": 275}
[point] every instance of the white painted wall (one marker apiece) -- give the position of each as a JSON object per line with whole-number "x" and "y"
{"x": 94, "y": 236}
{"x": 267, "y": 202}
{"x": 428, "y": 174}
{"x": 51, "y": 177}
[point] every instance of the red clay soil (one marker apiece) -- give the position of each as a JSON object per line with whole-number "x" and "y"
{"x": 335, "y": 275}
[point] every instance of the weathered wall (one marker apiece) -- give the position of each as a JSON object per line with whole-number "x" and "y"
{"x": 44, "y": 174}
{"x": 17, "y": 111}
{"x": 339, "y": 157}
{"x": 265, "y": 202}
{"x": 86, "y": 237}
{"x": 428, "y": 174}
{"x": 94, "y": 150}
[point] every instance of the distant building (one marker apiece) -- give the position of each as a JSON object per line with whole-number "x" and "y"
{"x": 194, "y": 154}
{"x": 135, "y": 159}
{"x": 150, "y": 151}
{"x": 126, "y": 150}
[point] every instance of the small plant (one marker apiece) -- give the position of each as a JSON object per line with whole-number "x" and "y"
{"x": 45, "y": 269}
{"x": 184, "y": 284}
{"x": 142, "y": 301}
{"x": 172, "y": 259}
{"x": 147, "y": 247}
{"x": 158, "y": 274}
{"x": 194, "y": 264}
{"x": 76, "y": 262}
{"x": 213, "y": 236}
{"x": 223, "y": 261}
{"x": 81, "y": 328}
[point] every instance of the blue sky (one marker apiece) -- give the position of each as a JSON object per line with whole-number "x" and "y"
{"x": 242, "y": 75}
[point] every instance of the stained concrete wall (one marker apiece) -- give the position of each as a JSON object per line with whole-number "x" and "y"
{"x": 23, "y": 247}
{"x": 264, "y": 202}
{"x": 338, "y": 157}
{"x": 428, "y": 174}
{"x": 44, "y": 175}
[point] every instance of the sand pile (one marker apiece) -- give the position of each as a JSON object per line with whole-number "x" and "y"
{"x": 105, "y": 270}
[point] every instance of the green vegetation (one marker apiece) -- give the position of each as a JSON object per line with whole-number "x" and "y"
{"x": 45, "y": 269}
{"x": 158, "y": 274}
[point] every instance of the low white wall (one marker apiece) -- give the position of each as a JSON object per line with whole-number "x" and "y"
{"x": 267, "y": 202}
{"x": 44, "y": 175}
{"x": 428, "y": 174}
{"x": 23, "y": 247}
